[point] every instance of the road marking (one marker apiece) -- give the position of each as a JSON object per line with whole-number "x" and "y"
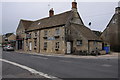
{"x": 33, "y": 71}
{"x": 39, "y": 57}
{"x": 106, "y": 65}
{"x": 65, "y": 61}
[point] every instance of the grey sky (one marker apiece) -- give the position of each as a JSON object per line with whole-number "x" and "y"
{"x": 99, "y": 13}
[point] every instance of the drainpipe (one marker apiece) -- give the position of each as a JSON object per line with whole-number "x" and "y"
{"x": 39, "y": 41}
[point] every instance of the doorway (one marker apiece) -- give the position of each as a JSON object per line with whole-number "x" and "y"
{"x": 69, "y": 47}
{"x": 30, "y": 46}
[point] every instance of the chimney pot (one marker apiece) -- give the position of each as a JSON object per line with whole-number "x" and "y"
{"x": 51, "y": 12}
{"x": 74, "y": 4}
{"x": 117, "y": 10}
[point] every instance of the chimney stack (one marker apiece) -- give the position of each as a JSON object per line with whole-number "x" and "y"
{"x": 117, "y": 10}
{"x": 51, "y": 12}
{"x": 74, "y": 4}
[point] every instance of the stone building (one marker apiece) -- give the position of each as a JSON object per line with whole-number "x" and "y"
{"x": 20, "y": 33}
{"x": 111, "y": 34}
{"x": 61, "y": 33}
{"x": 9, "y": 38}
{"x": 0, "y": 40}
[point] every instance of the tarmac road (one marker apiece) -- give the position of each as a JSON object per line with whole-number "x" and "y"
{"x": 59, "y": 67}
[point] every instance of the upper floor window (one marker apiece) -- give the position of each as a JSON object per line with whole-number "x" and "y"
{"x": 45, "y": 33}
{"x": 79, "y": 42}
{"x": 28, "y": 35}
{"x": 35, "y": 34}
{"x": 57, "y": 31}
{"x": 26, "y": 42}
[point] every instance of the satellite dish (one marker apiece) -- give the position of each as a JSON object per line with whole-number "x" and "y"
{"x": 89, "y": 23}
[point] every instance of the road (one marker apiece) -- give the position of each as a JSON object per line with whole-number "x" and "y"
{"x": 59, "y": 67}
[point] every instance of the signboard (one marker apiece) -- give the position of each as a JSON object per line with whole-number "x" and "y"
{"x": 51, "y": 38}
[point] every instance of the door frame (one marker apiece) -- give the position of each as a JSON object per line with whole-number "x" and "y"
{"x": 30, "y": 46}
{"x": 69, "y": 49}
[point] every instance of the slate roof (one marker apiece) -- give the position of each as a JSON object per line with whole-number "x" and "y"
{"x": 56, "y": 20}
{"x": 8, "y": 34}
{"x": 59, "y": 19}
{"x": 86, "y": 32}
{"x": 26, "y": 23}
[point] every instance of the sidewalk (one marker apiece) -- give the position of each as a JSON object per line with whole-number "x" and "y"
{"x": 112, "y": 55}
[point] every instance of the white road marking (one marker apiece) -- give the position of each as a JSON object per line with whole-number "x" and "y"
{"x": 39, "y": 57}
{"x": 65, "y": 61}
{"x": 106, "y": 65}
{"x": 33, "y": 71}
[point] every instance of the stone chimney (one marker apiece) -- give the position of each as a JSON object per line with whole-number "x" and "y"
{"x": 51, "y": 12}
{"x": 74, "y": 4}
{"x": 117, "y": 10}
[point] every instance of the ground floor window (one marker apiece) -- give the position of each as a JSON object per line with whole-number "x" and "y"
{"x": 45, "y": 45}
{"x": 79, "y": 42}
{"x": 35, "y": 42}
{"x": 57, "y": 45}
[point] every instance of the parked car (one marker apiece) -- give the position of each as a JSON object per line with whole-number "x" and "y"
{"x": 8, "y": 48}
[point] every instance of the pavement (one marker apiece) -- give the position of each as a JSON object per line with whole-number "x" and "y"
{"x": 107, "y": 56}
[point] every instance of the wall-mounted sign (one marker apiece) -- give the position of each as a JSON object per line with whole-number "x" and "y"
{"x": 50, "y": 38}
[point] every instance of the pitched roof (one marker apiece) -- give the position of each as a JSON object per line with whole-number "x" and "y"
{"x": 98, "y": 33}
{"x": 86, "y": 32}
{"x": 8, "y": 34}
{"x": 24, "y": 24}
{"x": 59, "y": 19}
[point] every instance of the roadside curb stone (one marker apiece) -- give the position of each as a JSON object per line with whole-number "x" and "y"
{"x": 107, "y": 56}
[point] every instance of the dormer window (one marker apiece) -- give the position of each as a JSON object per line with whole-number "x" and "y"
{"x": 114, "y": 21}
{"x": 39, "y": 23}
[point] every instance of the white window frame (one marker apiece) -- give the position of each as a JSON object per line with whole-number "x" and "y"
{"x": 79, "y": 42}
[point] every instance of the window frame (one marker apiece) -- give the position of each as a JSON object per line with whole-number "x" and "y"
{"x": 79, "y": 42}
{"x": 45, "y": 45}
{"x": 57, "y": 45}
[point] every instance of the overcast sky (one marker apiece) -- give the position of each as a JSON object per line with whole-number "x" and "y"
{"x": 98, "y": 13}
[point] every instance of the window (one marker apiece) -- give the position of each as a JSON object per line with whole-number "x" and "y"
{"x": 57, "y": 31}
{"x": 57, "y": 45}
{"x": 45, "y": 33}
{"x": 79, "y": 42}
{"x": 35, "y": 34}
{"x": 114, "y": 21}
{"x": 45, "y": 45}
{"x": 35, "y": 42}
{"x": 26, "y": 42}
{"x": 39, "y": 23}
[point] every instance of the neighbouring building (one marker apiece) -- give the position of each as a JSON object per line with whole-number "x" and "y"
{"x": 9, "y": 38}
{"x": 61, "y": 33}
{"x": 111, "y": 34}
{"x": 20, "y": 33}
{"x": 0, "y": 40}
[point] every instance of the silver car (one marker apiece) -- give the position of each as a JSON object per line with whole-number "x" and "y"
{"x": 8, "y": 48}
